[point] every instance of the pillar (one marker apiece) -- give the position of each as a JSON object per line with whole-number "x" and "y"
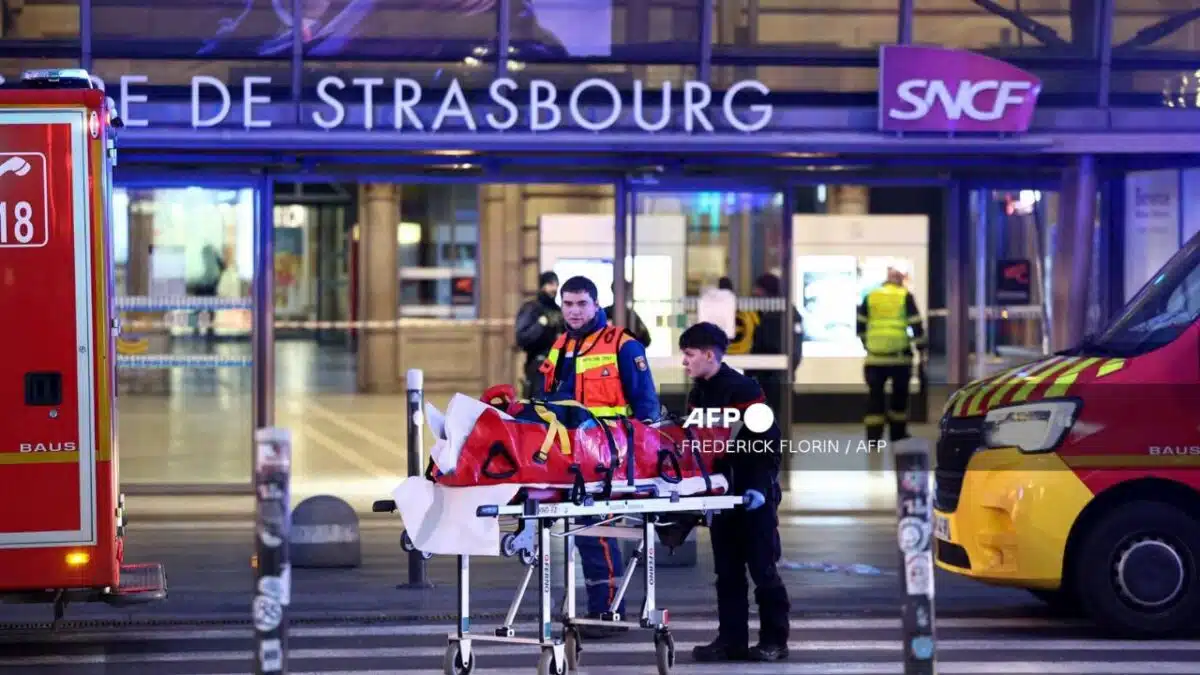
{"x": 378, "y": 284}
{"x": 849, "y": 200}
{"x": 1071, "y": 253}
{"x": 502, "y": 277}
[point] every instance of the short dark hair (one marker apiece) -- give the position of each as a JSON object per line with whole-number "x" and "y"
{"x": 770, "y": 284}
{"x": 580, "y": 284}
{"x": 704, "y": 335}
{"x": 725, "y": 284}
{"x": 548, "y": 277}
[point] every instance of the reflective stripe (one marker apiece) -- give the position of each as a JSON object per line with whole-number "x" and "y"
{"x": 1110, "y": 366}
{"x": 1032, "y": 383}
{"x": 875, "y": 420}
{"x": 897, "y": 416}
{"x": 1017, "y": 376}
{"x": 1063, "y": 384}
{"x": 594, "y": 361}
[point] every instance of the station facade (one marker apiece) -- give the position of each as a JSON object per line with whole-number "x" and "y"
{"x": 416, "y": 165}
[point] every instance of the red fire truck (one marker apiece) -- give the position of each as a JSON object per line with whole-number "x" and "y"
{"x": 61, "y": 513}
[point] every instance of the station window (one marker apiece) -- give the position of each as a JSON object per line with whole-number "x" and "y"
{"x": 438, "y": 240}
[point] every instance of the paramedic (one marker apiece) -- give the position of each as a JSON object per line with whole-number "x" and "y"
{"x": 884, "y": 320}
{"x": 743, "y": 539}
{"x": 538, "y": 325}
{"x": 604, "y": 368}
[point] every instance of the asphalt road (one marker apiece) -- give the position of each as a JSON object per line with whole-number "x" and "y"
{"x": 820, "y": 646}
{"x": 841, "y": 575}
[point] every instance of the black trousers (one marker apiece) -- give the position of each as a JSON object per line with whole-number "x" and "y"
{"x": 534, "y": 380}
{"x": 748, "y": 541}
{"x": 882, "y": 410}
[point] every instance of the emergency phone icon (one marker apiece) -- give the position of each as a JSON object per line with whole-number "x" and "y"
{"x": 16, "y": 165}
{"x": 23, "y": 215}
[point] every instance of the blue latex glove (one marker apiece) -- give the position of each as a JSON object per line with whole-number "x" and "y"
{"x": 754, "y": 499}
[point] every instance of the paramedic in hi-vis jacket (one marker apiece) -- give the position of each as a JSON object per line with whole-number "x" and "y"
{"x": 885, "y": 319}
{"x": 604, "y": 368}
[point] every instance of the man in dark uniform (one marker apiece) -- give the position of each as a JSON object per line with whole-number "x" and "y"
{"x": 742, "y": 539}
{"x": 885, "y": 318}
{"x": 539, "y": 323}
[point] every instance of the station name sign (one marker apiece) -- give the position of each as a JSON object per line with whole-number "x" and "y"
{"x": 742, "y": 107}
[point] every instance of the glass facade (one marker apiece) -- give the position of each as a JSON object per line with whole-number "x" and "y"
{"x": 1140, "y": 55}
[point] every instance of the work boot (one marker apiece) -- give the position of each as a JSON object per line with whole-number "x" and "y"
{"x": 719, "y": 650}
{"x": 764, "y": 651}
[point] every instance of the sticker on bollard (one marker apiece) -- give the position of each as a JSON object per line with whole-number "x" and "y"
{"x": 325, "y": 534}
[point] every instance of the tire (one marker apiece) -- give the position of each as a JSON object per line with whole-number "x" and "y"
{"x": 547, "y": 665}
{"x": 574, "y": 649}
{"x": 453, "y": 664}
{"x": 664, "y": 653}
{"x": 1123, "y": 539}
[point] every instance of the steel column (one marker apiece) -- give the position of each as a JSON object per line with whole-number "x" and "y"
{"x": 262, "y": 335}
{"x": 503, "y": 36}
{"x": 980, "y": 251}
{"x": 621, "y": 224}
{"x": 297, "y": 59}
{"x": 85, "y": 35}
{"x": 958, "y": 249}
{"x": 1105, "y": 10}
{"x": 904, "y": 32}
{"x": 1072, "y": 253}
{"x": 789, "y": 328}
{"x": 704, "y": 62}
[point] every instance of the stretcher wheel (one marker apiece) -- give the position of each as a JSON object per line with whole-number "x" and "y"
{"x": 548, "y": 665}
{"x": 528, "y": 558}
{"x": 574, "y": 649}
{"x": 453, "y": 663}
{"x": 508, "y": 545}
{"x": 664, "y": 652}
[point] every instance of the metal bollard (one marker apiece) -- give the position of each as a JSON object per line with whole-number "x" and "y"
{"x": 273, "y": 576}
{"x": 915, "y": 536}
{"x": 416, "y": 456}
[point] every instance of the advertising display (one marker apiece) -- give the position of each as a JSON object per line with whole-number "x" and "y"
{"x": 838, "y": 260}
{"x": 1152, "y": 224}
{"x": 933, "y": 89}
{"x": 572, "y": 244}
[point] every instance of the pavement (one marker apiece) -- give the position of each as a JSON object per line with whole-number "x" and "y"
{"x": 841, "y": 574}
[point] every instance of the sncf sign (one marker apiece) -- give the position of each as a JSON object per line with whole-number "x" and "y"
{"x": 930, "y": 89}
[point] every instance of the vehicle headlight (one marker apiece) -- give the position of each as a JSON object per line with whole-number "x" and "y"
{"x": 1031, "y": 427}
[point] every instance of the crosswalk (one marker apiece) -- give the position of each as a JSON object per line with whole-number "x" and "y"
{"x": 819, "y": 646}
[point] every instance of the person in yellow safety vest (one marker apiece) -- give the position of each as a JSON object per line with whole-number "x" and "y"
{"x": 885, "y": 319}
{"x": 604, "y": 368}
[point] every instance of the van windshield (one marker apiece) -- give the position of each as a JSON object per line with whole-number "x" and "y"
{"x": 1160, "y": 312}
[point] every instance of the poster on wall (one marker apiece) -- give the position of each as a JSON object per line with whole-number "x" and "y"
{"x": 1152, "y": 224}
{"x": 1191, "y": 202}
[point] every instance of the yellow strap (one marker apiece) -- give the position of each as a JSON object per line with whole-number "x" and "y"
{"x": 556, "y": 430}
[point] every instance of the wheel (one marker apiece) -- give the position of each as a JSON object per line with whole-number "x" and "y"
{"x": 664, "y": 653}
{"x": 453, "y": 663}
{"x": 547, "y": 664}
{"x": 1063, "y": 602}
{"x": 574, "y": 649}
{"x": 508, "y": 545}
{"x": 1140, "y": 564}
{"x": 528, "y": 558}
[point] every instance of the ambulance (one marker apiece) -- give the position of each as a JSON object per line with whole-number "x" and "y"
{"x": 61, "y": 513}
{"x": 1077, "y": 476}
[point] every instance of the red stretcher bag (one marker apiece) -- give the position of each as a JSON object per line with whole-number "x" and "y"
{"x": 501, "y": 439}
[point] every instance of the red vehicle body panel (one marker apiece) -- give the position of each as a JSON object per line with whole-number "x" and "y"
{"x": 56, "y": 474}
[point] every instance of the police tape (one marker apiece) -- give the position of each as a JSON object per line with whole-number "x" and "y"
{"x": 183, "y": 361}
{"x": 142, "y": 303}
{"x": 997, "y": 312}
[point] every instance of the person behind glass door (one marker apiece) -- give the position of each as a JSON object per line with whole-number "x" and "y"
{"x": 885, "y": 318}
{"x": 539, "y": 323}
{"x": 637, "y": 327}
{"x": 768, "y": 339}
{"x": 613, "y": 380}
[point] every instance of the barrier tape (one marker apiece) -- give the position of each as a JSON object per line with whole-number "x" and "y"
{"x": 142, "y": 303}
{"x": 194, "y": 361}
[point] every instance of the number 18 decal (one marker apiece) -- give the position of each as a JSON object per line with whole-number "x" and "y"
{"x": 23, "y": 196}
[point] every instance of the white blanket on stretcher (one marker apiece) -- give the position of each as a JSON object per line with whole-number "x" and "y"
{"x": 442, "y": 520}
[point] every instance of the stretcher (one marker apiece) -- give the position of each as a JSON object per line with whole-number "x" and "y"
{"x": 646, "y": 512}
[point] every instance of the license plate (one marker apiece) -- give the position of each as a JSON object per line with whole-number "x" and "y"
{"x": 941, "y": 528}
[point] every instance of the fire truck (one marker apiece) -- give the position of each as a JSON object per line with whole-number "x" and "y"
{"x": 61, "y": 513}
